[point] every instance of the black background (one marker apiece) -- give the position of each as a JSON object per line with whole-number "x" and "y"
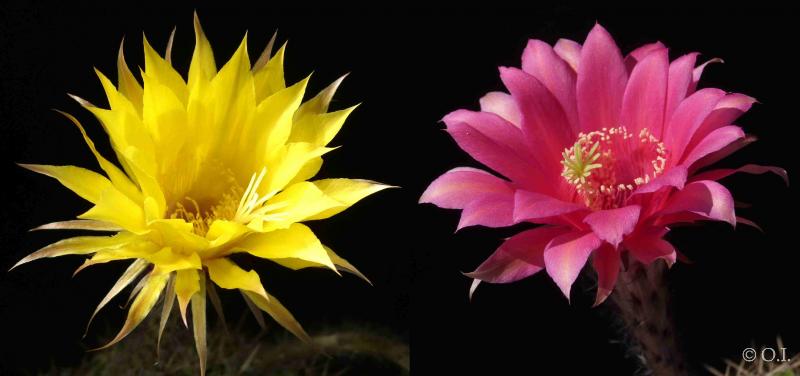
{"x": 409, "y": 68}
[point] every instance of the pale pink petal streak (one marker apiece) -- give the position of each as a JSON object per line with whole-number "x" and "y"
{"x": 636, "y": 56}
{"x": 565, "y": 256}
{"x": 503, "y": 105}
{"x": 570, "y": 51}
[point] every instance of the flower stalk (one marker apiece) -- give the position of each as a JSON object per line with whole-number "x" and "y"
{"x": 641, "y": 298}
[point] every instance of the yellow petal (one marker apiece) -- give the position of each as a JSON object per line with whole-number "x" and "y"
{"x": 79, "y": 224}
{"x": 118, "y": 178}
{"x": 341, "y": 264}
{"x": 269, "y": 79}
{"x": 116, "y": 100}
{"x": 128, "y": 85}
{"x": 274, "y": 308}
{"x": 166, "y": 309}
{"x": 257, "y": 314}
{"x": 177, "y": 233}
{"x": 296, "y": 241}
{"x": 186, "y": 285}
{"x": 161, "y": 71}
{"x": 202, "y": 67}
{"x": 114, "y": 207}
{"x": 127, "y": 133}
{"x": 309, "y": 169}
{"x": 319, "y": 129}
{"x": 347, "y": 192}
{"x": 211, "y": 294}
{"x": 85, "y": 183}
{"x": 165, "y": 117}
{"x": 199, "y": 324}
{"x": 296, "y": 203}
{"x": 80, "y": 245}
{"x": 273, "y": 121}
{"x": 266, "y": 54}
{"x": 141, "y": 306}
{"x": 127, "y": 277}
{"x": 222, "y": 231}
{"x": 287, "y": 164}
{"x": 344, "y": 265}
{"x": 229, "y": 276}
{"x": 319, "y": 104}
{"x": 137, "y": 248}
{"x": 166, "y": 260}
{"x": 230, "y": 105}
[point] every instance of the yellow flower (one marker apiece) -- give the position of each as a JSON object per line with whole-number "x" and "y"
{"x": 213, "y": 165}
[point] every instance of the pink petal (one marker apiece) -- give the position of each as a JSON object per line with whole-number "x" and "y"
{"x": 714, "y": 141}
{"x": 613, "y": 224}
{"x": 489, "y": 211}
{"x": 460, "y": 186}
{"x": 748, "y": 169}
{"x": 673, "y": 177}
{"x": 493, "y": 153}
{"x": 645, "y": 94}
{"x": 503, "y": 105}
{"x": 540, "y": 61}
{"x": 688, "y": 117}
{"x": 530, "y": 206}
{"x": 570, "y": 51}
{"x": 705, "y": 197}
{"x": 648, "y": 245}
{"x": 518, "y": 257}
{"x": 494, "y": 127}
{"x": 680, "y": 77}
{"x": 636, "y": 56}
{"x": 606, "y": 263}
{"x": 726, "y": 112}
{"x": 699, "y": 72}
{"x": 724, "y": 152}
{"x": 745, "y": 221}
{"x": 601, "y": 81}
{"x": 544, "y": 122}
{"x": 565, "y": 256}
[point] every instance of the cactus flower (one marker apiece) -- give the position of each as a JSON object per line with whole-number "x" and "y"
{"x": 604, "y": 152}
{"x": 212, "y": 165}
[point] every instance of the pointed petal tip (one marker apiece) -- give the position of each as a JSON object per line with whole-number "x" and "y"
{"x": 473, "y": 287}
{"x": 83, "y": 102}
{"x": 602, "y": 295}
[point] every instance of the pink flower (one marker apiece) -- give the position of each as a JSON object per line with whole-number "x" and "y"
{"x": 602, "y": 151}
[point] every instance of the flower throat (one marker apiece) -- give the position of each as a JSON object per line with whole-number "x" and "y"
{"x": 606, "y": 166}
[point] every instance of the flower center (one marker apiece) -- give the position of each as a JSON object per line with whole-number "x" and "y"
{"x": 191, "y": 211}
{"x": 237, "y": 204}
{"x": 606, "y": 166}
